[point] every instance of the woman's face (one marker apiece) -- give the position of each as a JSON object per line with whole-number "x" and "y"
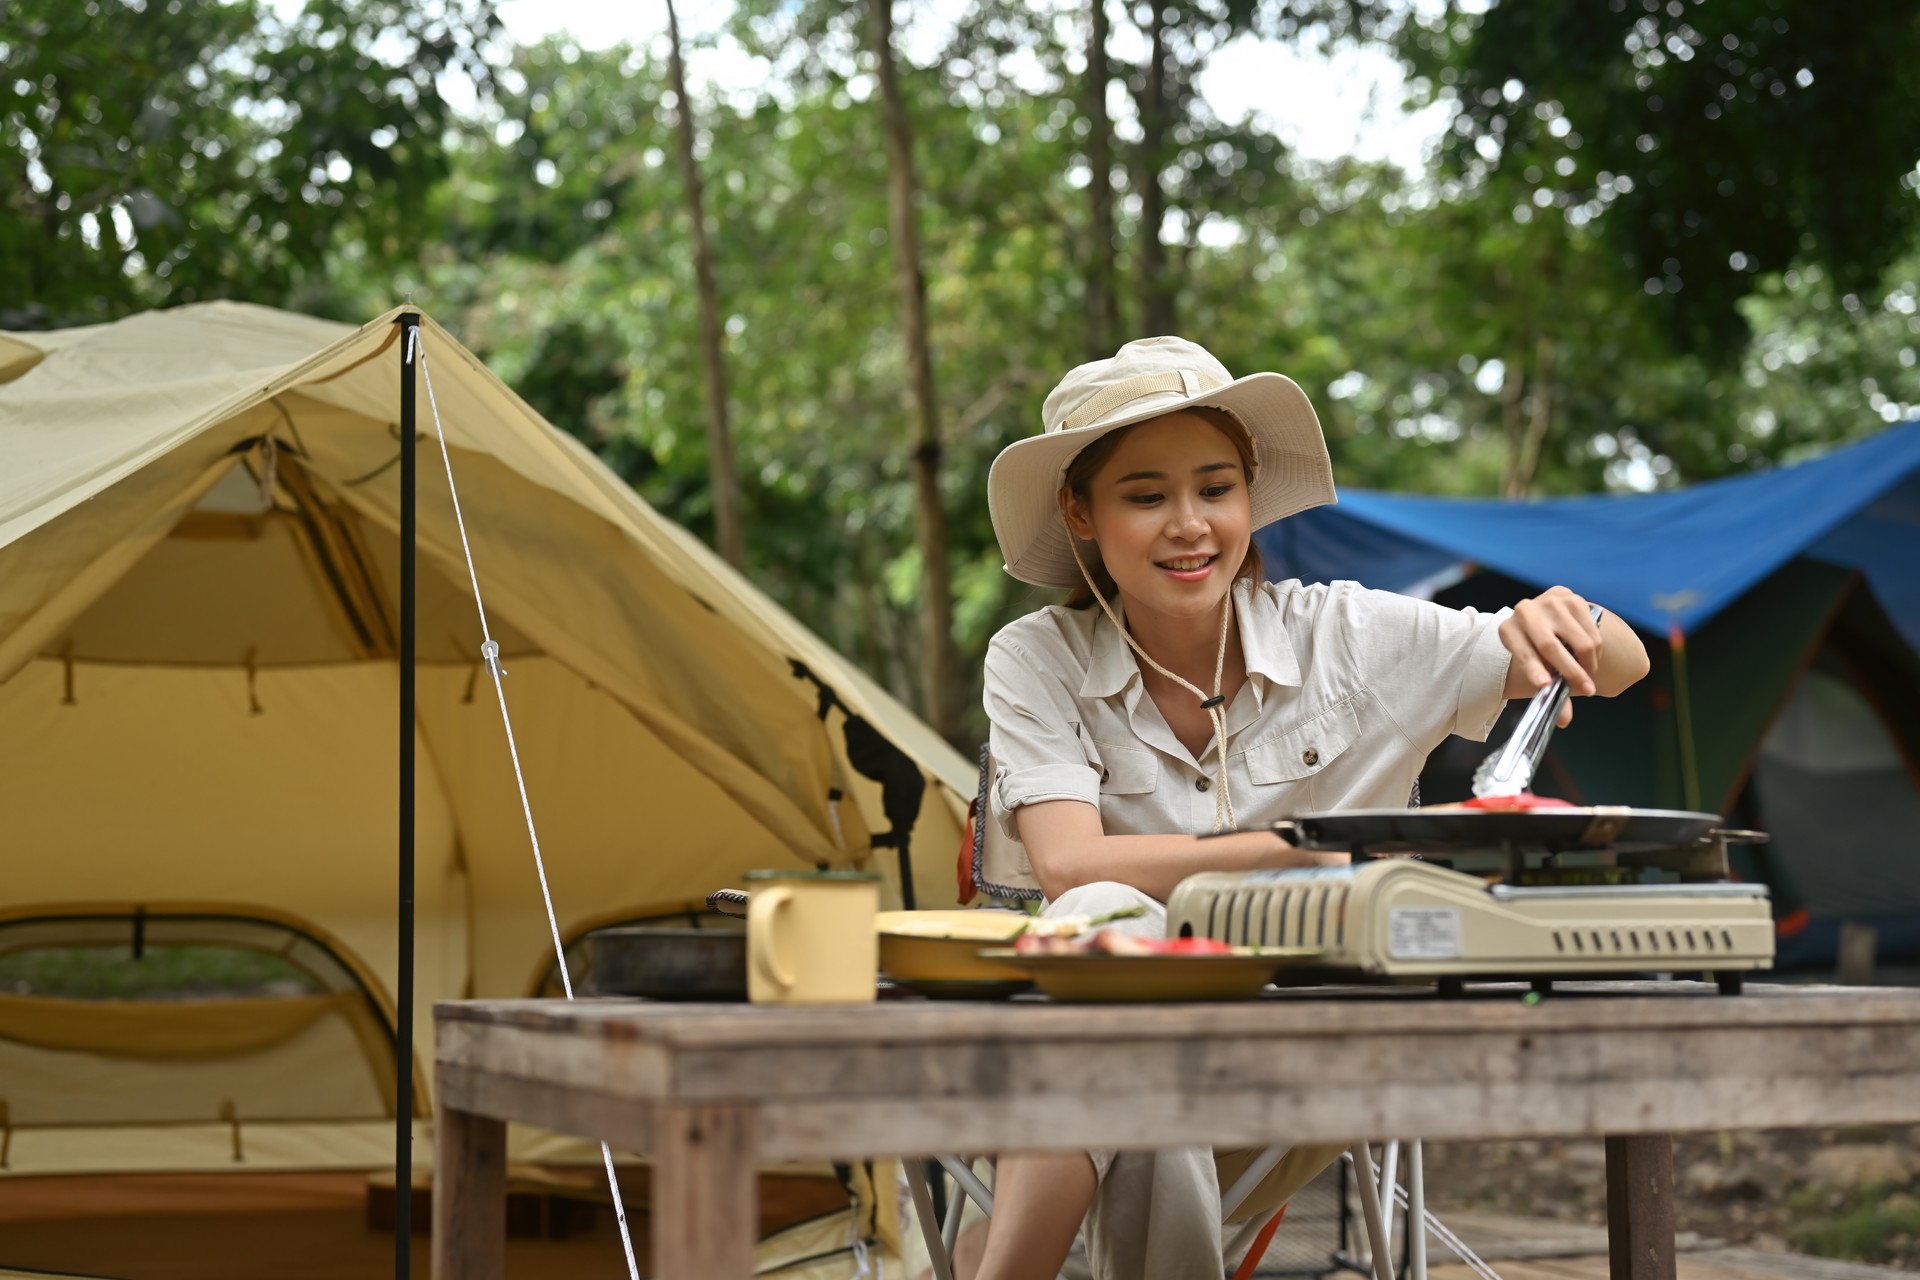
{"x": 1169, "y": 511}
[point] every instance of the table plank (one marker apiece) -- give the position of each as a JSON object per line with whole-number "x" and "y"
{"x": 903, "y": 1080}
{"x": 1642, "y": 1005}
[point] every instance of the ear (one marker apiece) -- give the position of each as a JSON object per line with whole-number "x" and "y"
{"x": 1079, "y": 522}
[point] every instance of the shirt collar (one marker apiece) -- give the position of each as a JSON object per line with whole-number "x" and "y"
{"x": 1111, "y": 665}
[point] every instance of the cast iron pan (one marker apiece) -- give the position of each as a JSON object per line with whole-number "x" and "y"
{"x": 669, "y": 964}
{"x": 1537, "y": 830}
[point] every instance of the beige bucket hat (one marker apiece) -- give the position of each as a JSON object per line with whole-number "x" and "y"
{"x": 1145, "y": 379}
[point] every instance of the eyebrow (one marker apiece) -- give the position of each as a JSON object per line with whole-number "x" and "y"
{"x": 1201, "y": 470}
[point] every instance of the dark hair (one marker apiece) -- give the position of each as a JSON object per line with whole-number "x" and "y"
{"x": 1086, "y": 465}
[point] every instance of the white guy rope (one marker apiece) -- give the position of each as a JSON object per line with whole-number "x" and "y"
{"x": 490, "y": 650}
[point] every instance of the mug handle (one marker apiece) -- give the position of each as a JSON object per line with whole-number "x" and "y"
{"x": 762, "y": 913}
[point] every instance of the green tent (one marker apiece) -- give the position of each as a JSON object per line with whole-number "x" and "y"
{"x": 1796, "y": 711}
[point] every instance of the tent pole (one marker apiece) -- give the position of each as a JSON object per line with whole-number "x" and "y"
{"x": 403, "y": 1045}
{"x": 1683, "y": 719}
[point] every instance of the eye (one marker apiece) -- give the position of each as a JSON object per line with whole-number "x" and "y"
{"x": 1217, "y": 490}
{"x": 1143, "y": 499}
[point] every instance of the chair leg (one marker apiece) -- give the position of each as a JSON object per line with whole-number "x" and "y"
{"x": 968, "y": 1183}
{"x": 937, "y": 1251}
{"x": 956, "y": 1210}
{"x": 1389, "y": 1176}
{"x": 1416, "y": 1214}
{"x": 1234, "y": 1196}
{"x": 1368, "y": 1180}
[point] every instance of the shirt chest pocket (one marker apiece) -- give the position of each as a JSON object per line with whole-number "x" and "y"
{"x": 1301, "y": 752}
{"x": 1124, "y": 771}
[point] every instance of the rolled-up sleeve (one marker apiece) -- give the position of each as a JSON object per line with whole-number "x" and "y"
{"x": 1035, "y": 737}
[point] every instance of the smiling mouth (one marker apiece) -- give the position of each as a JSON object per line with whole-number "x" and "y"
{"x": 1186, "y": 564}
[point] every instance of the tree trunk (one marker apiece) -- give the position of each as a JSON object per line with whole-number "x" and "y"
{"x": 1103, "y": 302}
{"x": 1156, "y": 291}
{"x": 725, "y": 483}
{"x": 938, "y": 660}
{"x": 1512, "y": 428}
{"x": 1539, "y": 419}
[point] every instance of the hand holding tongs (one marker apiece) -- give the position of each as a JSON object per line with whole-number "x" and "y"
{"x": 1509, "y": 771}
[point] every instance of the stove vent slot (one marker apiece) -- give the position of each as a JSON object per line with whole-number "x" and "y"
{"x": 1295, "y": 916}
{"x": 1275, "y": 916}
{"x": 1636, "y": 942}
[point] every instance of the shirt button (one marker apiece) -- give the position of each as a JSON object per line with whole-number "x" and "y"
{"x": 1203, "y": 784}
{"x": 1310, "y": 757}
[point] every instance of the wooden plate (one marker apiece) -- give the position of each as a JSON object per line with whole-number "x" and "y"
{"x": 996, "y": 989}
{"x": 1154, "y": 979}
{"x": 944, "y": 946}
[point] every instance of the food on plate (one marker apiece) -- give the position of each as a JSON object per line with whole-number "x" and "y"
{"x": 991, "y": 926}
{"x": 1111, "y": 942}
{"x": 973, "y": 926}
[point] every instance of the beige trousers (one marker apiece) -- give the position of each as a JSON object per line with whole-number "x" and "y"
{"x": 1156, "y": 1214}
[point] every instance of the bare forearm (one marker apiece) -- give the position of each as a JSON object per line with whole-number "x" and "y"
{"x": 1155, "y": 864}
{"x": 1623, "y": 659}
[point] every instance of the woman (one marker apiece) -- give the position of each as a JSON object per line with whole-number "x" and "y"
{"x": 1176, "y": 694}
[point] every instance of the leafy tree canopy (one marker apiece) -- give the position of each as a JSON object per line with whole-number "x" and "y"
{"x": 1715, "y": 142}
{"x": 176, "y": 151}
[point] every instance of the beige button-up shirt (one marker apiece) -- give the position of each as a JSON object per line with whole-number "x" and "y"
{"x": 1347, "y": 692}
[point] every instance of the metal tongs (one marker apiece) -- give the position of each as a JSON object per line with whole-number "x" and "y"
{"x": 1509, "y": 771}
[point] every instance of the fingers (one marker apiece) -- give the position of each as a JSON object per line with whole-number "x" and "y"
{"x": 1557, "y": 650}
{"x": 1513, "y": 634}
{"x": 1555, "y": 634}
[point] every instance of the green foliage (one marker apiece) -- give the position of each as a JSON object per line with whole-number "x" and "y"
{"x": 1877, "y": 1224}
{"x": 161, "y": 972}
{"x": 1471, "y": 331}
{"x": 1715, "y": 141}
{"x": 171, "y": 152}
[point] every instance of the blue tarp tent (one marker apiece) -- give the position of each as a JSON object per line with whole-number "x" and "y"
{"x": 1782, "y": 613}
{"x": 1660, "y": 560}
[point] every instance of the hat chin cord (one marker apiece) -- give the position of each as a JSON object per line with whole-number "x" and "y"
{"x": 1214, "y": 704}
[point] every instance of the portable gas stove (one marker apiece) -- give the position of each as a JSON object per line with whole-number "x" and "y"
{"x": 1452, "y": 895}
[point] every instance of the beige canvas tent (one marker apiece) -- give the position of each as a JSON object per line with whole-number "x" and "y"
{"x": 198, "y": 692}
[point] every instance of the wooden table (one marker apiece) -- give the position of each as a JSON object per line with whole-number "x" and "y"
{"x": 707, "y": 1091}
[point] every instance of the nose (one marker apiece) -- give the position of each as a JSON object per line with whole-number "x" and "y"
{"x": 1185, "y": 521}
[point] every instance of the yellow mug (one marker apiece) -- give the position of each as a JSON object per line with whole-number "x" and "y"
{"x": 811, "y": 937}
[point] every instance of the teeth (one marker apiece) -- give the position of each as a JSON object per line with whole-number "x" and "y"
{"x": 1183, "y": 566}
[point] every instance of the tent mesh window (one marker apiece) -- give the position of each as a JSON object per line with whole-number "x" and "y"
{"x": 137, "y": 1019}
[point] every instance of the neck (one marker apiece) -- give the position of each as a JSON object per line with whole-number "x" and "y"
{"x": 1186, "y": 645}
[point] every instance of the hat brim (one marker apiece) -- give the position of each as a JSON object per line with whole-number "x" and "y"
{"x": 1292, "y": 472}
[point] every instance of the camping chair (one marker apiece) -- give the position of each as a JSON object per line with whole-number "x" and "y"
{"x": 1261, "y": 1181}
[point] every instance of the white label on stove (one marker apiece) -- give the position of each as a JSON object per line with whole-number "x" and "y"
{"x": 1423, "y": 933}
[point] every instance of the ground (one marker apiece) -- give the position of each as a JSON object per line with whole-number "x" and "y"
{"x": 1840, "y": 1193}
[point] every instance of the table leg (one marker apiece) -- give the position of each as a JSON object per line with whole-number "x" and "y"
{"x": 1640, "y": 1207}
{"x": 469, "y": 1197}
{"x": 706, "y": 1193}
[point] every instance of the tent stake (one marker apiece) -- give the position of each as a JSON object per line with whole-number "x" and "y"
{"x": 403, "y": 1046}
